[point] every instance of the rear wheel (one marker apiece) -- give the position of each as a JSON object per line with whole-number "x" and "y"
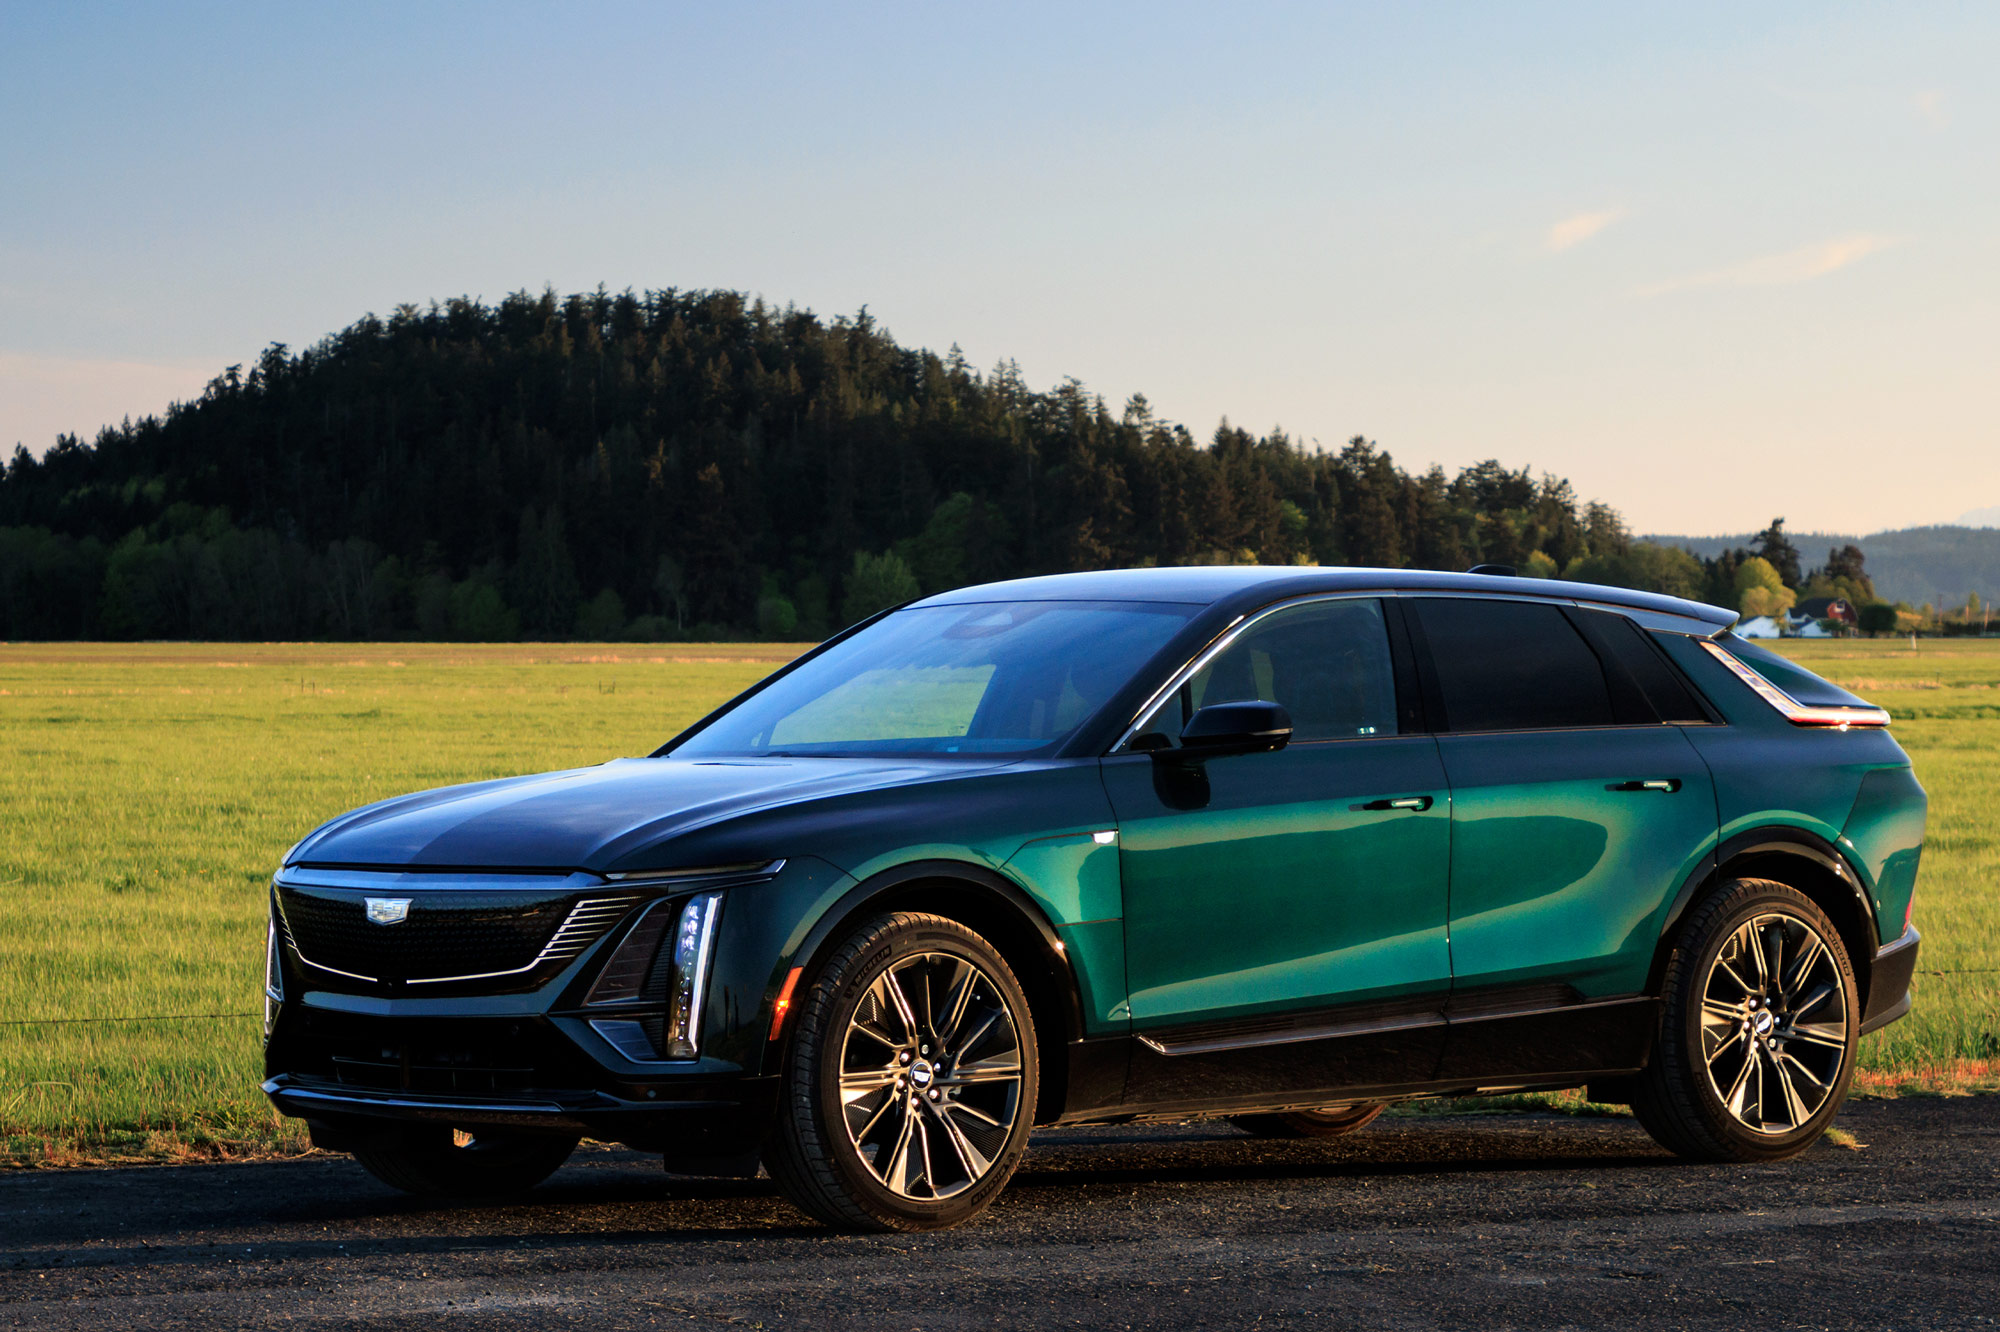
{"x": 1332, "y": 1122}
{"x": 464, "y": 1163}
{"x": 910, "y": 1080}
{"x": 1758, "y": 1031}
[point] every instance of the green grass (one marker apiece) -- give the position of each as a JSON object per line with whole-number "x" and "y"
{"x": 1945, "y": 698}
{"x": 147, "y": 791}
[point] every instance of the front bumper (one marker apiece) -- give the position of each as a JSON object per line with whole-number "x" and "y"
{"x": 1889, "y": 981}
{"x": 356, "y": 1075}
{"x": 720, "y": 1118}
{"x": 717, "y": 1119}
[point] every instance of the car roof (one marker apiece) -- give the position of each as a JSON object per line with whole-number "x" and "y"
{"x": 1209, "y": 585}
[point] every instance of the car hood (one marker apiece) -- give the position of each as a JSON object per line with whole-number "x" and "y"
{"x": 593, "y": 818}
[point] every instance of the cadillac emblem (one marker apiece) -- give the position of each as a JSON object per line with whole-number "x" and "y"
{"x": 388, "y": 910}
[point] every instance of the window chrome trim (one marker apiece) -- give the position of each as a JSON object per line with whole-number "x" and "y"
{"x": 1222, "y": 643}
{"x": 1242, "y": 623}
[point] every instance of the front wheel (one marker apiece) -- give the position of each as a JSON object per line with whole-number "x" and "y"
{"x": 461, "y": 1163}
{"x": 909, "y": 1082}
{"x": 1758, "y": 1030}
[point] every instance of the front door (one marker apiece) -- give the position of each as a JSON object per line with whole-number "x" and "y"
{"x": 1278, "y": 904}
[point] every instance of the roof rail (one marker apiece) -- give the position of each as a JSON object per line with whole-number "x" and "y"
{"x": 1497, "y": 570}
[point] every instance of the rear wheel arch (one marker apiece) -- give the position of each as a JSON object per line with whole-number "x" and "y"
{"x": 1796, "y": 858}
{"x": 996, "y": 909}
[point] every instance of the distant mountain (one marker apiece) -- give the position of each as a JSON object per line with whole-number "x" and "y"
{"x": 1941, "y": 565}
{"x": 1981, "y": 517}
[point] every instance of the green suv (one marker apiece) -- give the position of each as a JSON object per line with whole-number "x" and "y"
{"x": 1277, "y": 845}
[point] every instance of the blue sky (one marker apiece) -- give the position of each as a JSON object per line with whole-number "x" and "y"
{"x": 1712, "y": 264}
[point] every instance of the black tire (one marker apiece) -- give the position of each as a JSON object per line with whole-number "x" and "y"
{"x": 1334, "y": 1122}
{"x": 890, "y": 999}
{"x": 443, "y": 1162}
{"x": 1785, "y": 1048}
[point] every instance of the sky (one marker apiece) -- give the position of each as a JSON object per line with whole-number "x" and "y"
{"x": 1713, "y": 263}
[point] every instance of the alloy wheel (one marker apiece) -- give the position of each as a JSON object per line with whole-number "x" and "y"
{"x": 1774, "y": 1023}
{"x": 930, "y": 1076}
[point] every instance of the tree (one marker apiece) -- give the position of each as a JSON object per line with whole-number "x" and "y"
{"x": 1759, "y": 591}
{"x": 1877, "y": 617}
{"x": 679, "y": 449}
{"x": 602, "y": 617}
{"x": 1777, "y": 550}
{"x": 877, "y": 582}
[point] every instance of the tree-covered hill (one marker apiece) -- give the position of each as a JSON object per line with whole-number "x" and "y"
{"x": 1939, "y": 565}
{"x": 688, "y": 462}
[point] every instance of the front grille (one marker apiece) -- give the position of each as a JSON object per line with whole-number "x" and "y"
{"x": 448, "y": 935}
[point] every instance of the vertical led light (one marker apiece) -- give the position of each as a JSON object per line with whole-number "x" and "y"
{"x": 274, "y": 976}
{"x": 694, "y": 938}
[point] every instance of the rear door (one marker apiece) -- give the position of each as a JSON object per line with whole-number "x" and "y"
{"x": 1577, "y": 810}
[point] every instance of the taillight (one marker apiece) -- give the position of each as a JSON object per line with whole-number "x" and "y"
{"x": 1795, "y": 712}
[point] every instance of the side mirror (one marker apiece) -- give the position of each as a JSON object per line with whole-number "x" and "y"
{"x": 1252, "y": 727}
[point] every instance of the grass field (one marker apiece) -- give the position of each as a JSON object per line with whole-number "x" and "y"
{"x": 147, "y": 792}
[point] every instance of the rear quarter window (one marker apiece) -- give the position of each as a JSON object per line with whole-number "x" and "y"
{"x": 1511, "y": 666}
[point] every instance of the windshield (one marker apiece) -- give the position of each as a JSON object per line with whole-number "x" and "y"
{"x": 993, "y": 678}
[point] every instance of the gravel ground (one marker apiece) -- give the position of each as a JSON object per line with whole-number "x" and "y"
{"x": 1467, "y": 1221}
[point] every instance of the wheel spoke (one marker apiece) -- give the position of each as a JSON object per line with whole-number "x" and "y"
{"x": 896, "y": 1176}
{"x": 1735, "y": 1035}
{"x": 1812, "y": 1078}
{"x": 964, "y": 978}
{"x": 882, "y": 1108}
{"x": 966, "y": 1108}
{"x": 1793, "y": 1105}
{"x": 989, "y": 1071}
{"x": 1728, "y": 969}
{"x": 970, "y": 1157}
{"x": 1814, "y": 1000}
{"x": 1832, "y": 1036}
{"x": 1795, "y": 975}
{"x": 1757, "y": 955}
{"x": 1718, "y": 1011}
{"x": 900, "y": 1003}
{"x": 971, "y": 1043}
{"x": 866, "y": 1079}
{"x": 1739, "y": 1091}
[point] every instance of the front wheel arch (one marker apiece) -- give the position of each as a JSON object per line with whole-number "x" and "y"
{"x": 990, "y": 905}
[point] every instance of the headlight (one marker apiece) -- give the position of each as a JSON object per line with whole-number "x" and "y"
{"x": 662, "y": 963}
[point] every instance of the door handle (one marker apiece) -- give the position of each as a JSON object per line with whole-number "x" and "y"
{"x": 1401, "y": 802}
{"x": 1663, "y": 784}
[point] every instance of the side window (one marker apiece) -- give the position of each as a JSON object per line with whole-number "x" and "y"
{"x": 1511, "y": 666}
{"x": 1327, "y": 662}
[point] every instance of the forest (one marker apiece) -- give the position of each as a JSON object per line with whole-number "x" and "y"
{"x": 696, "y": 464}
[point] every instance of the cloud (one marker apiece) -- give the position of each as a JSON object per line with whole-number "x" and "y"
{"x": 1801, "y": 265}
{"x": 1930, "y": 105}
{"x": 1576, "y": 230}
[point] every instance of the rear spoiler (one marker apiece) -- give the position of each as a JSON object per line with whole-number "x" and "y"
{"x": 1795, "y": 712}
